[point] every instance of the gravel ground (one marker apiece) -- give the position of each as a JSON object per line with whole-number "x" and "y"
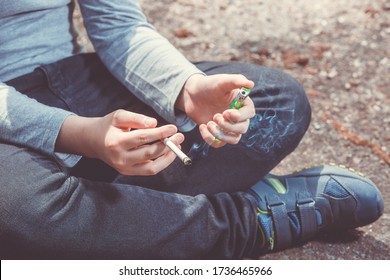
{"x": 339, "y": 51}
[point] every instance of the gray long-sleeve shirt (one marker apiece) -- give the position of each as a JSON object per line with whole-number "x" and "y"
{"x": 37, "y": 32}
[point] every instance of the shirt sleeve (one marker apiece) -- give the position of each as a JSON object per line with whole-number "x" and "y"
{"x": 138, "y": 56}
{"x": 26, "y": 122}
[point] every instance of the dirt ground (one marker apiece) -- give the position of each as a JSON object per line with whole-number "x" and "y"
{"x": 340, "y": 52}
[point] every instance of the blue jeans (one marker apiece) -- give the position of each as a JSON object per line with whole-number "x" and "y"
{"x": 91, "y": 211}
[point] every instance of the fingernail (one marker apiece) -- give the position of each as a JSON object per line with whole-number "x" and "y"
{"x": 172, "y": 130}
{"x": 212, "y": 126}
{"x": 149, "y": 122}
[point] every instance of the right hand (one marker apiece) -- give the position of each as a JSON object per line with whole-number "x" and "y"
{"x": 206, "y": 99}
{"x": 129, "y": 142}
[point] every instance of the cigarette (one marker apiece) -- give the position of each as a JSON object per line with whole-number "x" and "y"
{"x": 183, "y": 157}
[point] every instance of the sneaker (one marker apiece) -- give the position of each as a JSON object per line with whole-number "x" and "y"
{"x": 294, "y": 208}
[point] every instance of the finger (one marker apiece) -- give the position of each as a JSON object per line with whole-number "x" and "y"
{"x": 141, "y": 137}
{"x": 230, "y": 138}
{"x": 152, "y": 151}
{"x": 210, "y": 138}
{"x": 244, "y": 113}
{"x": 227, "y": 126}
{"x": 152, "y": 167}
{"x": 125, "y": 119}
{"x": 228, "y": 82}
{"x": 177, "y": 138}
{"x": 146, "y": 152}
{"x": 143, "y": 154}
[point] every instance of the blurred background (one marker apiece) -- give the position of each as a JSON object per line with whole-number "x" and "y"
{"x": 339, "y": 51}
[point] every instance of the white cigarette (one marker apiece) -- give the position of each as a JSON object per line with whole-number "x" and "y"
{"x": 183, "y": 157}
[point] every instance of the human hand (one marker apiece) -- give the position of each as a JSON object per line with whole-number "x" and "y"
{"x": 127, "y": 141}
{"x": 205, "y": 100}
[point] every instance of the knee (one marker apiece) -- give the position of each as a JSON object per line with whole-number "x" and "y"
{"x": 283, "y": 113}
{"x": 32, "y": 189}
{"x": 29, "y": 218}
{"x": 31, "y": 204}
{"x": 294, "y": 98}
{"x": 293, "y": 101}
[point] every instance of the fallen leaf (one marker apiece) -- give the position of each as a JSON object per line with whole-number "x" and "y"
{"x": 182, "y": 32}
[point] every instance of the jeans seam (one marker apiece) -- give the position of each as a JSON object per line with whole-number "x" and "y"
{"x": 53, "y": 88}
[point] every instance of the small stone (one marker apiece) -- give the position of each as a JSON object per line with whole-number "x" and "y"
{"x": 341, "y": 20}
{"x": 355, "y": 75}
{"x": 357, "y": 63}
{"x": 332, "y": 73}
{"x": 306, "y": 38}
{"x": 384, "y": 61}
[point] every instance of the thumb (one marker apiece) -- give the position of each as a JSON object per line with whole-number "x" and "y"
{"x": 126, "y": 119}
{"x": 229, "y": 82}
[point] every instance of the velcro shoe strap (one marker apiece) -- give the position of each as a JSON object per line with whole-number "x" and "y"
{"x": 307, "y": 214}
{"x": 283, "y": 237}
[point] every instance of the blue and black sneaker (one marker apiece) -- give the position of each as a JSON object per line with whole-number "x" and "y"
{"x": 294, "y": 208}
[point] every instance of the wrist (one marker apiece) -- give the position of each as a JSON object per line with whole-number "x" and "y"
{"x": 76, "y": 136}
{"x": 184, "y": 100}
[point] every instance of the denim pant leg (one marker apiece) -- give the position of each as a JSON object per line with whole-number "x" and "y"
{"x": 47, "y": 214}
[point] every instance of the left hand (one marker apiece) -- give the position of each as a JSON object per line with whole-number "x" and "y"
{"x": 206, "y": 99}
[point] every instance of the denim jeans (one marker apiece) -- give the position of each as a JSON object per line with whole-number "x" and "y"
{"x": 92, "y": 212}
